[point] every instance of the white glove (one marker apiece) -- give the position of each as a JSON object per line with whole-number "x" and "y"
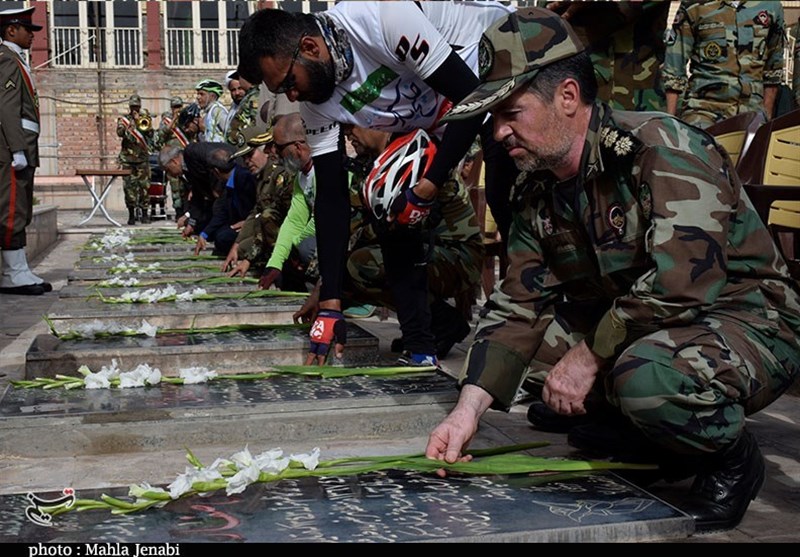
{"x": 19, "y": 162}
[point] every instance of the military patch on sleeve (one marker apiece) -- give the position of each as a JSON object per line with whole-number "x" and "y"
{"x": 712, "y": 51}
{"x": 616, "y": 219}
{"x": 10, "y": 84}
{"x": 763, "y": 18}
{"x": 646, "y": 200}
{"x": 485, "y": 57}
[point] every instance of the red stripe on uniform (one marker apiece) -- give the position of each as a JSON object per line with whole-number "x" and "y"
{"x": 12, "y": 209}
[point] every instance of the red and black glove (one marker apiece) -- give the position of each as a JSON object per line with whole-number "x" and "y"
{"x": 410, "y": 209}
{"x": 270, "y": 276}
{"x": 329, "y": 327}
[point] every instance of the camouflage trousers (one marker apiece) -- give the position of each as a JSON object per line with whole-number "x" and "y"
{"x": 258, "y": 235}
{"x": 136, "y": 186}
{"x": 704, "y": 113}
{"x": 453, "y": 271}
{"x": 689, "y": 388}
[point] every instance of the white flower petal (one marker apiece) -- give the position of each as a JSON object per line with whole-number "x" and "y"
{"x": 309, "y": 461}
{"x": 244, "y": 477}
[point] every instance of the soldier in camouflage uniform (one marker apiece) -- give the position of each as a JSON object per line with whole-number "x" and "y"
{"x": 135, "y": 156}
{"x": 273, "y": 196}
{"x": 734, "y": 51}
{"x": 638, "y": 268}
{"x": 626, "y": 43}
{"x": 246, "y": 114}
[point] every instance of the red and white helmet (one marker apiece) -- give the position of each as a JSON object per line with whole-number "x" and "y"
{"x": 398, "y": 168}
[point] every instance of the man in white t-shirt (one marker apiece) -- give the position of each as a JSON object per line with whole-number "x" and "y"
{"x": 393, "y": 66}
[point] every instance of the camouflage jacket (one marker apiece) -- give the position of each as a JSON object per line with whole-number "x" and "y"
{"x": 136, "y": 145}
{"x": 626, "y": 44}
{"x": 732, "y": 52}
{"x": 246, "y": 115}
{"x": 273, "y": 197}
{"x": 655, "y": 230}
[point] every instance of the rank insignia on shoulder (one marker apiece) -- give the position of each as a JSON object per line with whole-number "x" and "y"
{"x": 10, "y": 84}
{"x": 618, "y": 142}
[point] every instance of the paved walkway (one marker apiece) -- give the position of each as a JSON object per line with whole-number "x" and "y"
{"x": 773, "y": 517}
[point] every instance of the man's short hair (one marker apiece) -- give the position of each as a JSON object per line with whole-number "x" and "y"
{"x": 274, "y": 33}
{"x": 221, "y": 160}
{"x": 578, "y": 67}
{"x": 168, "y": 153}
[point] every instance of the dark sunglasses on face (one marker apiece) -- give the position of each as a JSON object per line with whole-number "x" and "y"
{"x": 290, "y": 80}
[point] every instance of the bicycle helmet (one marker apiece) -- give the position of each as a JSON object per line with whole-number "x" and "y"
{"x": 209, "y": 85}
{"x": 398, "y": 168}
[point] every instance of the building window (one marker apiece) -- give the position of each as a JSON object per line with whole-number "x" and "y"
{"x": 87, "y": 32}
{"x": 204, "y": 34}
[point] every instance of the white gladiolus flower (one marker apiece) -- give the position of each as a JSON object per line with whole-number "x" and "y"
{"x": 242, "y": 459}
{"x": 143, "y": 374}
{"x": 183, "y": 483}
{"x": 188, "y": 296}
{"x": 244, "y": 477}
{"x": 140, "y": 491}
{"x": 309, "y": 461}
{"x": 272, "y": 461}
{"x": 192, "y": 375}
{"x": 147, "y": 329}
{"x": 96, "y": 381}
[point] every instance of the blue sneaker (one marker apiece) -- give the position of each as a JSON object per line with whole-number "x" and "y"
{"x": 360, "y": 312}
{"x": 418, "y": 360}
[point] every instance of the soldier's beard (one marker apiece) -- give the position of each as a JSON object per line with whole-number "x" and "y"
{"x": 553, "y": 151}
{"x": 548, "y": 157}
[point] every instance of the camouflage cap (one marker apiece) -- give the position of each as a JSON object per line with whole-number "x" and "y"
{"x": 510, "y": 54}
{"x": 175, "y": 102}
{"x": 250, "y": 138}
{"x": 135, "y": 100}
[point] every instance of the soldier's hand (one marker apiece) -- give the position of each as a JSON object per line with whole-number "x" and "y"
{"x": 20, "y": 161}
{"x": 200, "y": 245}
{"x": 240, "y": 269}
{"x": 271, "y": 276}
{"x": 237, "y": 226}
{"x": 181, "y": 222}
{"x": 188, "y": 230}
{"x": 232, "y": 259}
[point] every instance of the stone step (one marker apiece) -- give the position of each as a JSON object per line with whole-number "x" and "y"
{"x": 90, "y": 289}
{"x": 270, "y": 412}
{"x": 249, "y": 351}
{"x": 71, "y": 314}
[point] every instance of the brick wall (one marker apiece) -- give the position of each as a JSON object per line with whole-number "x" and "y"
{"x": 79, "y": 126}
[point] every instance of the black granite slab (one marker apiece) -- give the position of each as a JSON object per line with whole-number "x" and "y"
{"x": 390, "y": 506}
{"x": 247, "y": 351}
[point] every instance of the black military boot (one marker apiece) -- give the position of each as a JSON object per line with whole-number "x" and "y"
{"x": 721, "y": 492}
{"x": 131, "y": 215}
{"x": 145, "y": 217}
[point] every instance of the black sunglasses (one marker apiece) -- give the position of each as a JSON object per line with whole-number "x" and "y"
{"x": 279, "y": 147}
{"x": 290, "y": 80}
